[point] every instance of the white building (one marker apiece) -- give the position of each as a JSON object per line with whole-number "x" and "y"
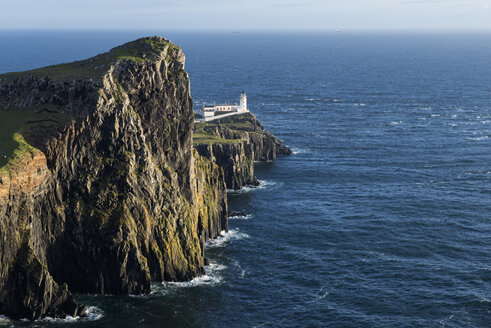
{"x": 209, "y": 111}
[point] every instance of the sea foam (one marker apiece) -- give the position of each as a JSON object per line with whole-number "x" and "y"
{"x": 212, "y": 277}
{"x": 296, "y": 150}
{"x": 265, "y": 184}
{"x": 241, "y": 217}
{"x": 93, "y": 314}
{"x": 478, "y": 138}
{"x": 245, "y": 189}
{"x": 226, "y": 237}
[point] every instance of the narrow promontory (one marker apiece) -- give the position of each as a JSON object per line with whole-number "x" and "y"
{"x": 234, "y": 143}
{"x": 101, "y": 190}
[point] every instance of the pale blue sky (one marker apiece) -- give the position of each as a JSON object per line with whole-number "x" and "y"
{"x": 242, "y": 15}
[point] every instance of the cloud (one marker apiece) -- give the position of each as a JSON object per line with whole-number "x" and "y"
{"x": 250, "y": 14}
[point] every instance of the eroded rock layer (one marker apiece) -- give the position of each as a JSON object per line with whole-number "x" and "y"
{"x": 101, "y": 193}
{"x": 234, "y": 143}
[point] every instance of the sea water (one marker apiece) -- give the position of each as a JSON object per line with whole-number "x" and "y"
{"x": 380, "y": 218}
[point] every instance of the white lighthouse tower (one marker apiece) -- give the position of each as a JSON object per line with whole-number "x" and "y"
{"x": 243, "y": 102}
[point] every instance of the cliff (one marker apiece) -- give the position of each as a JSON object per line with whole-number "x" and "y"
{"x": 234, "y": 143}
{"x": 100, "y": 189}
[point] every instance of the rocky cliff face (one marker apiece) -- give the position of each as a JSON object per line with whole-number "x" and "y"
{"x": 101, "y": 192}
{"x": 234, "y": 143}
{"x": 236, "y": 160}
{"x": 211, "y": 198}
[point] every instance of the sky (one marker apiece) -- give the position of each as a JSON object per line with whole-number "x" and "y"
{"x": 246, "y": 14}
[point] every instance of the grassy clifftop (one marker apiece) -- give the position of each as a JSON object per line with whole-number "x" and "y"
{"x": 18, "y": 130}
{"x": 21, "y": 125}
{"x": 226, "y": 130}
{"x": 139, "y": 51}
{"x": 204, "y": 135}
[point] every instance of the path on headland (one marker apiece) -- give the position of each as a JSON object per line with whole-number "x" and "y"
{"x": 213, "y": 118}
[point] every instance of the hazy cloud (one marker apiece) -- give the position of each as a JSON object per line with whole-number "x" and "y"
{"x": 250, "y": 14}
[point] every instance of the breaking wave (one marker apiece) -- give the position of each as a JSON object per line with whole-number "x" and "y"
{"x": 212, "y": 277}
{"x": 93, "y": 314}
{"x": 241, "y": 217}
{"x": 478, "y": 138}
{"x": 226, "y": 237}
{"x": 296, "y": 150}
{"x": 263, "y": 184}
{"x": 242, "y": 190}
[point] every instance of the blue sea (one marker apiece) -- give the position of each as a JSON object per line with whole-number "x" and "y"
{"x": 380, "y": 218}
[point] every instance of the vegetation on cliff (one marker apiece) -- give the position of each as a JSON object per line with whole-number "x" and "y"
{"x": 204, "y": 135}
{"x": 99, "y": 181}
{"x": 234, "y": 143}
{"x": 101, "y": 190}
{"x": 139, "y": 51}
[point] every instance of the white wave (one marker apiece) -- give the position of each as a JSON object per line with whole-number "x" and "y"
{"x": 204, "y": 280}
{"x": 226, "y": 237}
{"x": 435, "y": 115}
{"x": 241, "y": 217}
{"x": 395, "y": 122}
{"x": 297, "y": 150}
{"x": 93, "y": 314}
{"x": 212, "y": 277}
{"x": 478, "y": 138}
{"x": 454, "y": 116}
{"x": 310, "y": 99}
{"x": 322, "y": 293}
{"x": 242, "y": 190}
{"x": 264, "y": 184}
{"x": 4, "y": 320}
{"x": 336, "y": 100}
{"x": 484, "y": 122}
{"x": 422, "y": 118}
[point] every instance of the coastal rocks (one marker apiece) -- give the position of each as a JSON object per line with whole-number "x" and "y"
{"x": 102, "y": 191}
{"x": 234, "y": 143}
{"x": 20, "y": 294}
{"x": 236, "y": 160}
{"x": 236, "y": 213}
{"x": 211, "y": 198}
{"x": 107, "y": 196}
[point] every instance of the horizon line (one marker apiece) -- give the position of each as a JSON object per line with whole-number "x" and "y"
{"x": 239, "y": 30}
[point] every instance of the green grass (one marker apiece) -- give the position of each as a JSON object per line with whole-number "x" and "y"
{"x": 10, "y": 123}
{"x": 20, "y": 151}
{"x": 205, "y": 138}
{"x": 203, "y": 132}
{"x": 21, "y": 130}
{"x": 241, "y": 126}
{"x": 138, "y": 51}
{"x": 238, "y": 126}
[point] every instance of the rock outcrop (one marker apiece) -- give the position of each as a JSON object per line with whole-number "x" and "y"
{"x": 102, "y": 192}
{"x": 236, "y": 160}
{"x": 211, "y": 198}
{"x": 234, "y": 143}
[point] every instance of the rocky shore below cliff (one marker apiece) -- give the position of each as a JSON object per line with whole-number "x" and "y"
{"x": 234, "y": 143}
{"x": 101, "y": 190}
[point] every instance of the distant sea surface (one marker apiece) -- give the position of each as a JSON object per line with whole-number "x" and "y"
{"x": 381, "y": 218}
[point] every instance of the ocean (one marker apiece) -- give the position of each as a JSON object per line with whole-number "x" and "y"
{"x": 380, "y": 218}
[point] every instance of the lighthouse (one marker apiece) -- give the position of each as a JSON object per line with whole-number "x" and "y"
{"x": 243, "y": 102}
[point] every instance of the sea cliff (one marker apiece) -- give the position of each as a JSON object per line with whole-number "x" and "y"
{"x": 101, "y": 190}
{"x": 234, "y": 143}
